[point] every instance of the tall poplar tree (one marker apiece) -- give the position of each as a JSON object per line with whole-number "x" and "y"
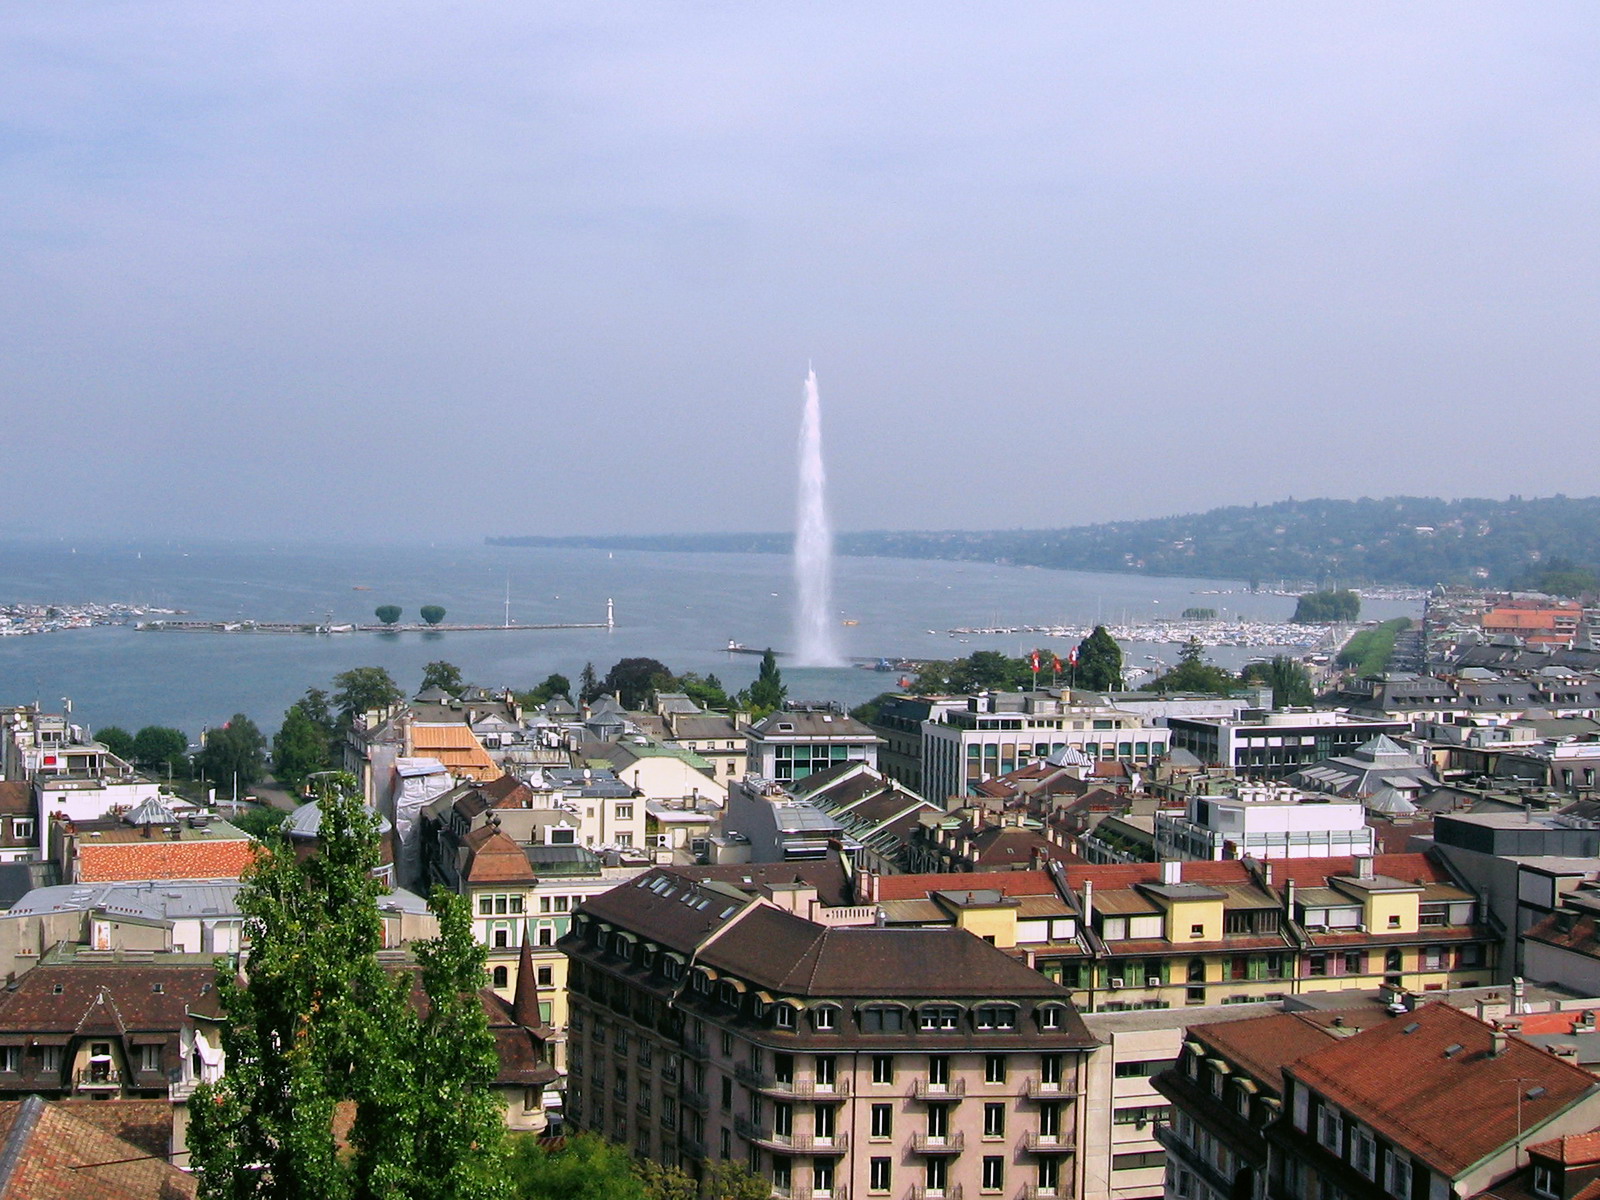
{"x": 320, "y": 1022}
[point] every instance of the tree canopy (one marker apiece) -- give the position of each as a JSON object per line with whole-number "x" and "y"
{"x": 554, "y": 685}
{"x": 161, "y": 748}
{"x": 387, "y": 613}
{"x": 634, "y": 680}
{"x": 237, "y": 751}
{"x": 1288, "y": 678}
{"x": 431, "y": 613}
{"x": 1324, "y": 608}
{"x": 362, "y": 689}
{"x": 1099, "y": 666}
{"x": 1194, "y": 674}
{"x": 299, "y": 748}
{"x": 320, "y": 1022}
{"x": 443, "y": 675}
{"x": 117, "y": 740}
{"x": 767, "y": 692}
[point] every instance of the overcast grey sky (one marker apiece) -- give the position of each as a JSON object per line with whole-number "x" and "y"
{"x": 418, "y": 269}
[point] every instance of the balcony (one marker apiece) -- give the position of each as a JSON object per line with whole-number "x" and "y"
{"x": 924, "y": 1143}
{"x": 804, "y": 1191}
{"x": 802, "y": 1089}
{"x": 792, "y": 1143}
{"x": 1034, "y": 1089}
{"x": 691, "y": 1147}
{"x": 1039, "y": 1191}
{"x": 695, "y": 1048}
{"x": 1048, "y": 1143}
{"x": 694, "y": 1099}
{"x": 98, "y": 1079}
{"x": 923, "y": 1192}
{"x": 951, "y": 1090}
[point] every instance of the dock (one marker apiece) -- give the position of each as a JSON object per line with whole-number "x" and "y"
{"x": 316, "y": 628}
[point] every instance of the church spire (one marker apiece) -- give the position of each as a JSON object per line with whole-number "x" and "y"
{"x": 525, "y": 1003}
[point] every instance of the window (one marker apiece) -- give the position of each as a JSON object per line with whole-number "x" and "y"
{"x": 935, "y": 1176}
{"x": 822, "y": 1122}
{"x": 996, "y": 1016}
{"x": 994, "y": 1068}
{"x": 22, "y": 827}
{"x": 938, "y": 1017}
{"x": 1142, "y": 1115}
{"x": 1139, "y": 1161}
{"x": 1545, "y": 1182}
{"x": 1330, "y": 1130}
{"x": 545, "y": 976}
{"x": 783, "y": 1016}
{"x": 783, "y": 1118}
{"x": 826, "y": 1018}
{"x": 879, "y": 1178}
{"x": 1364, "y": 1153}
{"x": 825, "y": 1070}
{"x": 994, "y": 1173}
{"x": 1049, "y": 1176}
{"x": 1302, "y": 1108}
{"x": 727, "y": 1096}
{"x": 727, "y": 1044}
{"x": 1142, "y": 1068}
{"x": 882, "y": 1068}
{"x": 1397, "y": 1175}
{"x": 883, "y": 1020}
{"x": 994, "y": 1119}
{"x": 783, "y": 1068}
{"x": 782, "y": 1172}
{"x": 1394, "y": 920}
{"x": 938, "y": 1070}
{"x": 10, "y": 1059}
{"x": 1050, "y": 1070}
{"x": 624, "y": 812}
{"x": 50, "y": 1058}
{"x": 1050, "y": 1119}
{"x": 882, "y": 1120}
{"x": 1050, "y": 1018}
{"x": 501, "y": 977}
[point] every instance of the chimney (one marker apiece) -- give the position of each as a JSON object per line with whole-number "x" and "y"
{"x": 1364, "y": 866}
{"x": 1266, "y": 874}
{"x": 1088, "y": 901}
{"x": 1519, "y": 997}
{"x": 1497, "y": 1040}
{"x": 1172, "y": 872}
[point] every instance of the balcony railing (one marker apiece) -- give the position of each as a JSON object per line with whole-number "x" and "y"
{"x": 954, "y": 1089}
{"x": 792, "y": 1143}
{"x": 805, "y": 1191}
{"x": 694, "y": 1099}
{"x": 1035, "y": 1089}
{"x": 695, "y": 1048}
{"x": 691, "y": 1147}
{"x": 1047, "y": 1143}
{"x": 924, "y": 1143}
{"x": 1041, "y": 1191}
{"x": 94, "y": 1079}
{"x": 923, "y": 1192}
{"x": 804, "y": 1088}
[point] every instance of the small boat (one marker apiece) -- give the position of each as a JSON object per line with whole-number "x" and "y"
{"x": 359, "y": 587}
{"x": 850, "y": 621}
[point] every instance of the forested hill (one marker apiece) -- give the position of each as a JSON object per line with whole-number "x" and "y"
{"x": 1399, "y": 540}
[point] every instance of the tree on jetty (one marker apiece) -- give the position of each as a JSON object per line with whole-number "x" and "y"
{"x": 432, "y": 613}
{"x": 387, "y": 613}
{"x": 321, "y": 1023}
{"x": 1322, "y": 608}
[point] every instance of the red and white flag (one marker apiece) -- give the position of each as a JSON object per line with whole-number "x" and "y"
{"x": 1033, "y": 660}
{"x": 1072, "y": 656}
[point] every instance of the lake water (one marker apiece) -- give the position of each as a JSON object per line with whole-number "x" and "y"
{"x": 679, "y": 608}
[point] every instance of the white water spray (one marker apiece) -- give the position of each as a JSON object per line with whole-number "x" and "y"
{"x": 813, "y": 546}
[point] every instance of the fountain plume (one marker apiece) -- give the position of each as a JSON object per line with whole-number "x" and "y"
{"x": 813, "y": 546}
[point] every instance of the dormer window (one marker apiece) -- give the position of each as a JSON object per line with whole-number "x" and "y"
{"x": 1546, "y": 1181}
{"x": 826, "y": 1019}
{"x": 1050, "y": 1018}
{"x": 996, "y": 1016}
{"x": 783, "y": 1016}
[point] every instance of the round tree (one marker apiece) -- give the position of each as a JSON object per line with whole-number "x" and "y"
{"x": 432, "y": 614}
{"x": 387, "y": 613}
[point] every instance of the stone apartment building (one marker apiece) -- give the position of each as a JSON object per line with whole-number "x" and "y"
{"x": 710, "y": 1020}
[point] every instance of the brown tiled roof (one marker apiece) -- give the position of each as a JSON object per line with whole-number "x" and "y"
{"x": 1008, "y": 883}
{"x": 495, "y": 858}
{"x": 1579, "y": 935}
{"x": 522, "y": 1059}
{"x": 53, "y": 1151}
{"x": 825, "y": 874}
{"x": 146, "y": 1124}
{"x": 16, "y": 797}
{"x": 1399, "y": 1078}
{"x": 456, "y": 747}
{"x": 107, "y": 996}
{"x": 1263, "y": 1046}
{"x": 1576, "y": 1149}
{"x": 160, "y": 859}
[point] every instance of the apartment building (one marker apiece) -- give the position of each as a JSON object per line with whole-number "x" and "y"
{"x": 997, "y": 732}
{"x": 714, "y": 1021}
{"x": 1262, "y": 821}
{"x": 1271, "y": 745}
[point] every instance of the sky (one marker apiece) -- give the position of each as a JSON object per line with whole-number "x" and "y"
{"x": 451, "y": 270}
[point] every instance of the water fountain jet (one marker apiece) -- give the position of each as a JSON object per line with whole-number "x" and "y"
{"x": 815, "y": 645}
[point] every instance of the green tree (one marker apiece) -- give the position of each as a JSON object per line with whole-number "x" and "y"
{"x": 363, "y": 689}
{"x": 1099, "y": 667}
{"x": 584, "y": 1167}
{"x": 633, "y": 680}
{"x": 1193, "y": 674}
{"x": 432, "y": 613}
{"x": 237, "y": 751}
{"x": 1322, "y": 608}
{"x": 588, "y": 684}
{"x": 725, "y": 1179}
{"x": 161, "y": 748}
{"x": 767, "y": 693}
{"x": 387, "y": 613}
{"x": 298, "y": 748}
{"x": 315, "y": 704}
{"x": 117, "y": 740}
{"x": 554, "y": 685}
{"x": 707, "y": 692}
{"x": 1288, "y": 678}
{"x": 321, "y": 1022}
{"x": 443, "y": 675}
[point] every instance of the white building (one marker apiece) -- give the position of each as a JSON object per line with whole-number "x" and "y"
{"x": 997, "y": 732}
{"x": 1264, "y": 821}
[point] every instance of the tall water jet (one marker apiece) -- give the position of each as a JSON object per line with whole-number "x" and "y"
{"x": 813, "y": 546}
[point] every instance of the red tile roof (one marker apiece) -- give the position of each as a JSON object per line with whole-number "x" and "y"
{"x": 496, "y": 859}
{"x": 1428, "y": 1081}
{"x": 59, "y": 1154}
{"x": 1576, "y": 1149}
{"x": 154, "y": 859}
{"x": 1007, "y": 883}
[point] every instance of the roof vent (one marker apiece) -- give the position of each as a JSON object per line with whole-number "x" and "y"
{"x": 1453, "y": 1049}
{"x": 1534, "y": 1093}
{"x": 1412, "y": 1028}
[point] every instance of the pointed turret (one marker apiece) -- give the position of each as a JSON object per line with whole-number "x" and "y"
{"x": 525, "y": 1003}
